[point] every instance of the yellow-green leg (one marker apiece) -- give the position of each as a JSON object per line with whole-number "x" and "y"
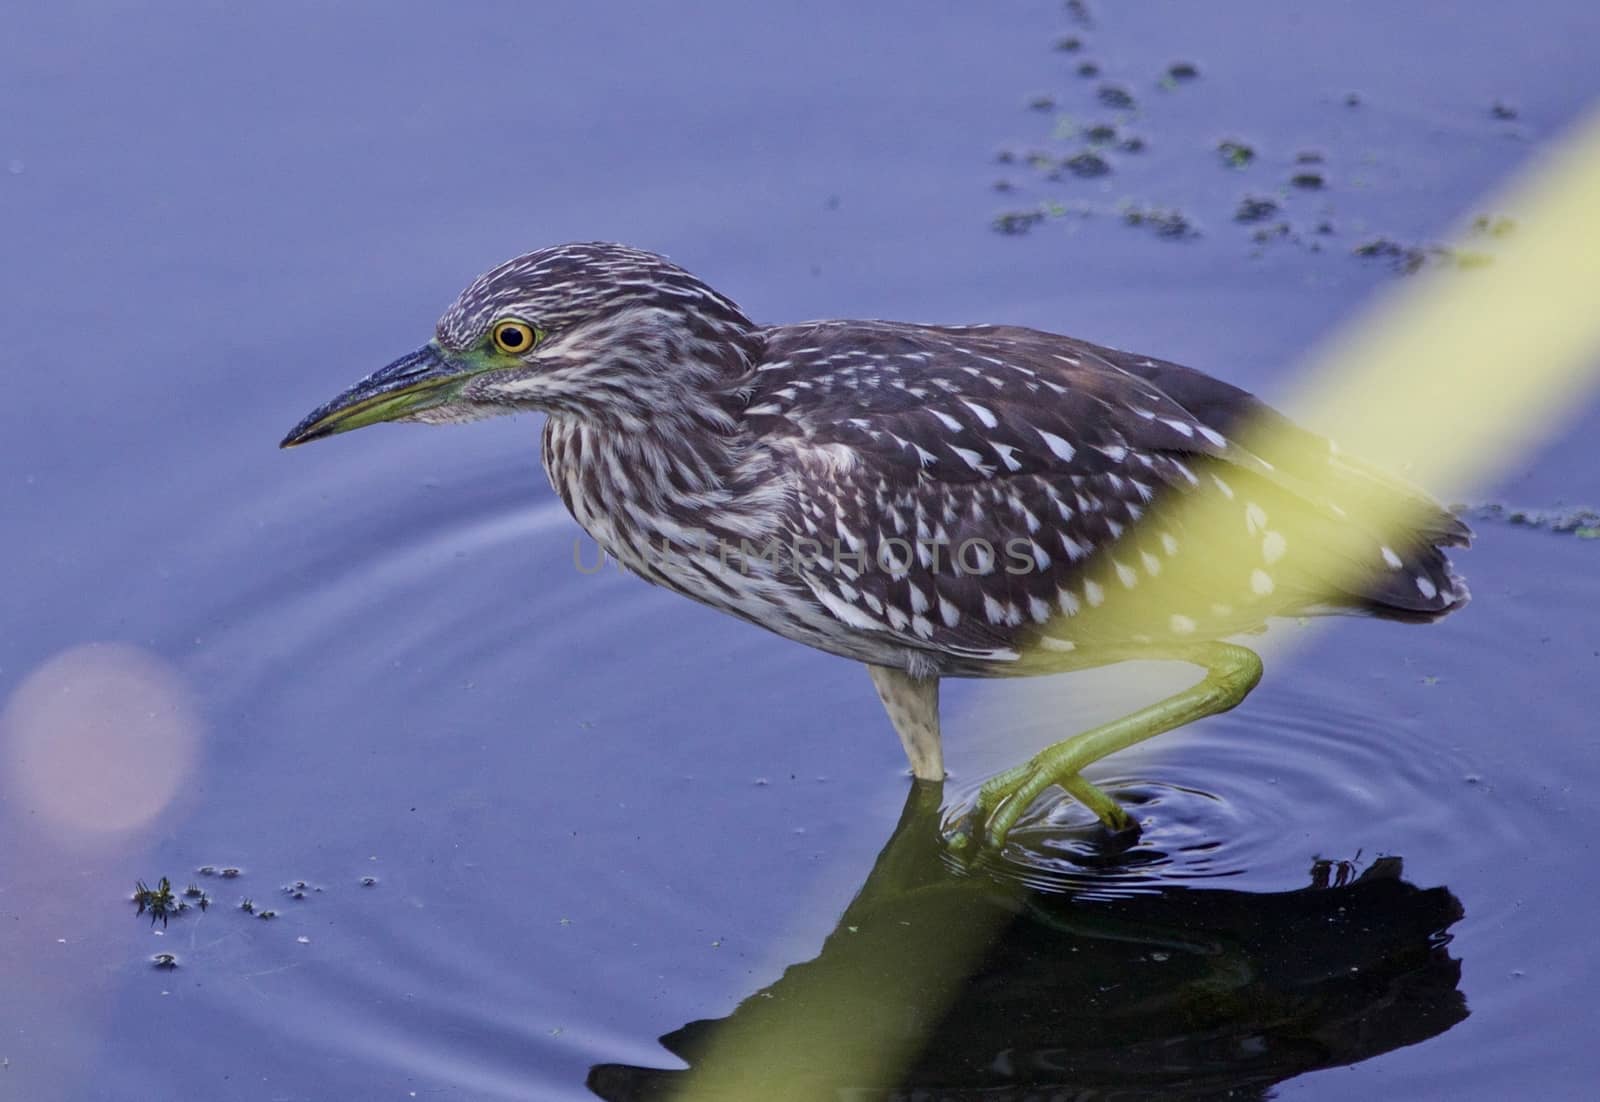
{"x": 1231, "y": 672}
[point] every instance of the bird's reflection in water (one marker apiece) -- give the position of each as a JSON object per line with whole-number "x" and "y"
{"x": 939, "y": 983}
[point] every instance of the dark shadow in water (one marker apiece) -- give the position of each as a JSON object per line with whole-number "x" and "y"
{"x": 950, "y": 985}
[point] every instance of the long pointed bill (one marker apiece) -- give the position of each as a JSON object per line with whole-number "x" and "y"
{"x": 420, "y": 381}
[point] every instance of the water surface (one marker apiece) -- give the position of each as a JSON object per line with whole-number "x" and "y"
{"x": 593, "y": 814}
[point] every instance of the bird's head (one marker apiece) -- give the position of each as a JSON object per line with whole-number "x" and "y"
{"x": 595, "y": 330}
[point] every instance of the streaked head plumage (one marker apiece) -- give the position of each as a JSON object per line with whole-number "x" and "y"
{"x": 563, "y": 286}
{"x": 615, "y": 331}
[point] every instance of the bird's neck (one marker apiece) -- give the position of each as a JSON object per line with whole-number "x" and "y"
{"x": 687, "y": 480}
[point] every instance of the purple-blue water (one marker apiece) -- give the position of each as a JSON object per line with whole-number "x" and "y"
{"x": 595, "y": 813}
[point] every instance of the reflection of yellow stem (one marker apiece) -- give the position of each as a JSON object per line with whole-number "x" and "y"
{"x": 1447, "y": 382}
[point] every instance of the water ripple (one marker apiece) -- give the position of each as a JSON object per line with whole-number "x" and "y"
{"x": 1299, "y": 773}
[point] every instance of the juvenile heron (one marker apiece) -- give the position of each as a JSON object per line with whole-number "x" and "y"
{"x": 932, "y": 501}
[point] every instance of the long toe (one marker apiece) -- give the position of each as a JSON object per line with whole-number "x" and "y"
{"x": 1020, "y": 793}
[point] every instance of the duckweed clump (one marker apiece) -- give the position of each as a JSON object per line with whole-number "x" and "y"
{"x": 159, "y": 900}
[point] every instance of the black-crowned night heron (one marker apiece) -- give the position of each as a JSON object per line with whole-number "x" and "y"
{"x": 932, "y": 501}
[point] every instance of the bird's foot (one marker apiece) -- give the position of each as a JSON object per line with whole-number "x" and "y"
{"x": 1231, "y": 672}
{"x": 1004, "y": 797}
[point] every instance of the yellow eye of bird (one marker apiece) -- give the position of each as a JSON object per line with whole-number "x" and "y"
{"x": 515, "y": 336}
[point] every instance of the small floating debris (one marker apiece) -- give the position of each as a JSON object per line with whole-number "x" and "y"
{"x": 159, "y": 901}
{"x": 1407, "y": 259}
{"x": 227, "y": 872}
{"x": 1168, "y": 222}
{"x": 1404, "y": 258}
{"x": 1500, "y": 109}
{"x": 1183, "y": 71}
{"x": 1087, "y": 164}
{"x": 1114, "y": 95}
{"x": 1234, "y": 153}
{"x": 1069, "y": 44}
{"x": 1275, "y": 232}
{"x": 1042, "y": 103}
{"x": 1582, "y": 522}
{"x": 1088, "y": 69}
{"x": 1308, "y": 181}
{"x": 1255, "y": 208}
{"x": 1494, "y": 225}
{"x": 1065, "y": 129}
{"x": 1016, "y": 222}
{"x": 1021, "y": 221}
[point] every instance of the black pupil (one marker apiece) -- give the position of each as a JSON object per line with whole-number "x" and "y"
{"x": 511, "y": 337}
